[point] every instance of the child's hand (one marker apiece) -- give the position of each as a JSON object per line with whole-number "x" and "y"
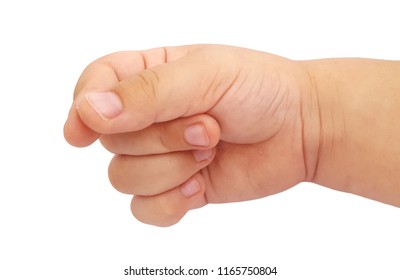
{"x": 194, "y": 124}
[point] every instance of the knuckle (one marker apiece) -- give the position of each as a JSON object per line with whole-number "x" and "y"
{"x": 108, "y": 143}
{"x": 141, "y": 92}
{"x": 155, "y": 211}
{"x": 149, "y": 82}
{"x": 170, "y": 212}
{"x": 116, "y": 175}
{"x": 163, "y": 138}
{"x": 146, "y": 82}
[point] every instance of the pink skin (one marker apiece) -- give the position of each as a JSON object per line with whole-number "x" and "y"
{"x": 202, "y": 124}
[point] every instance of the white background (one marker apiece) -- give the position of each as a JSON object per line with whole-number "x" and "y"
{"x": 61, "y": 219}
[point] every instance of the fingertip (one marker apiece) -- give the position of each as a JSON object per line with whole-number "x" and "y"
{"x": 89, "y": 115}
{"x": 203, "y": 132}
{"x": 190, "y": 188}
{"x": 104, "y": 113}
{"x": 213, "y": 130}
{"x": 196, "y": 199}
{"x": 107, "y": 104}
{"x": 76, "y": 133}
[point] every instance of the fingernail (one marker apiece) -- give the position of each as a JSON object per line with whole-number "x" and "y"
{"x": 190, "y": 188}
{"x": 107, "y": 104}
{"x": 201, "y": 155}
{"x": 196, "y": 135}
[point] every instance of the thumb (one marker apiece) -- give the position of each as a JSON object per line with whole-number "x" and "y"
{"x": 181, "y": 88}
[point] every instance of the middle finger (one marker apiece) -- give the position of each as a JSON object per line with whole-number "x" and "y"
{"x": 154, "y": 174}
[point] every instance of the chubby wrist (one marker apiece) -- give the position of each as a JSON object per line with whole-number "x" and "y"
{"x": 324, "y": 115}
{"x": 351, "y": 112}
{"x": 311, "y": 120}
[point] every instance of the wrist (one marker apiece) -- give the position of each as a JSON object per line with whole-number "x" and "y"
{"x": 351, "y": 110}
{"x": 311, "y": 121}
{"x": 324, "y": 117}
{"x": 324, "y": 122}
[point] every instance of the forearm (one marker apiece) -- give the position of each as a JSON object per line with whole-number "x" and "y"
{"x": 356, "y": 143}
